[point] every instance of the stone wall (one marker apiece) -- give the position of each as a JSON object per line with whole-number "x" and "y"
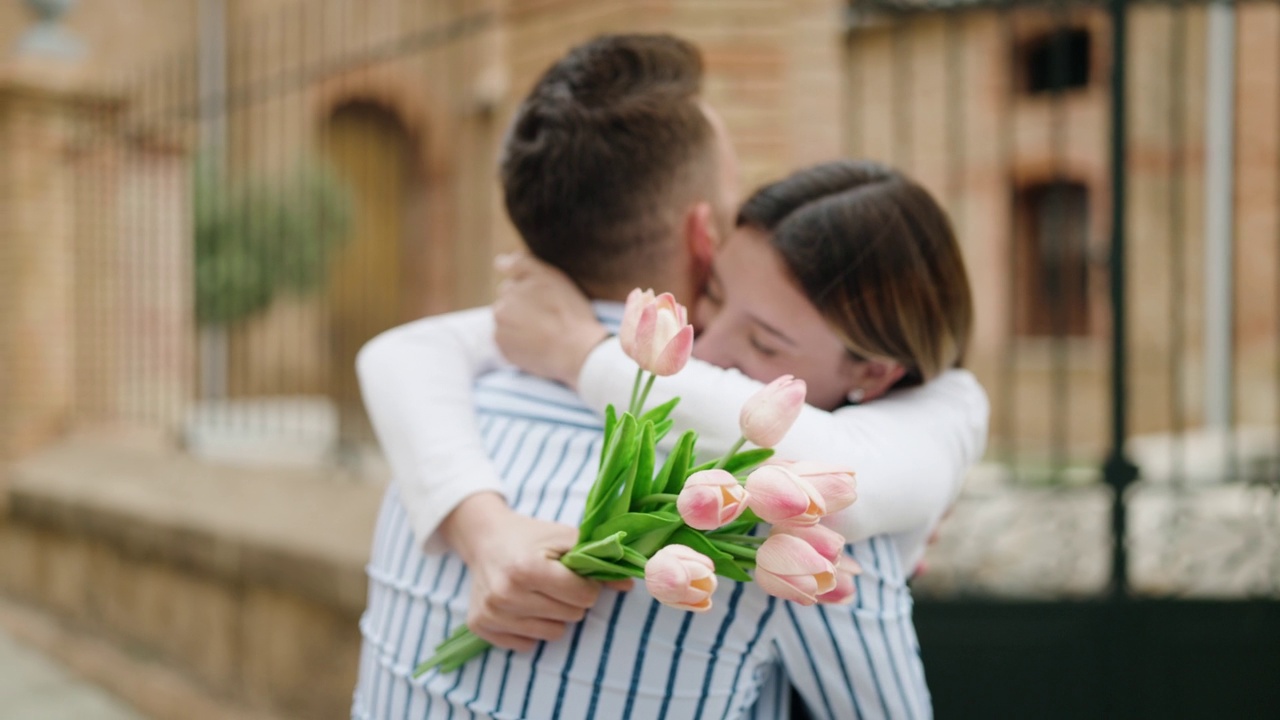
{"x": 245, "y": 587}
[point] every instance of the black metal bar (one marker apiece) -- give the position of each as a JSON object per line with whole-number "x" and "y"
{"x": 1118, "y": 471}
{"x": 1177, "y": 200}
{"x": 1055, "y": 241}
{"x": 1008, "y": 151}
{"x": 900, "y": 72}
{"x": 955, "y": 90}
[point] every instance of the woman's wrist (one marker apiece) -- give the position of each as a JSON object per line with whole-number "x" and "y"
{"x": 578, "y": 345}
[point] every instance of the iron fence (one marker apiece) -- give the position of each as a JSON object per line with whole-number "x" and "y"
{"x": 258, "y": 206}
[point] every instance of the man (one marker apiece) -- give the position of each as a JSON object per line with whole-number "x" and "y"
{"x": 617, "y": 173}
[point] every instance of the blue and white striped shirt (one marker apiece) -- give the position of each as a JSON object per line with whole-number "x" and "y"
{"x": 631, "y": 657}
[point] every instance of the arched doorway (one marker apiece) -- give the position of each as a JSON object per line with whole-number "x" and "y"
{"x": 372, "y": 152}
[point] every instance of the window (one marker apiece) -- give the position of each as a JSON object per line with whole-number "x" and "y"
{"x": 1057, "y": 61}
{"x": 1052, "y": 260}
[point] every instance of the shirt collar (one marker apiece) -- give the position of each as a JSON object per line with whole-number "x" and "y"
{"x": 609, "y": 313}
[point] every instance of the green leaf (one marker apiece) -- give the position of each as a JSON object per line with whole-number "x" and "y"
{"x": 598, "y": 569}
{"x": 610, "y": 422}
{"x": 660, "y": 430}
{"x": 740, "y": 462}
{"x": 671, "y": 478}
{"x": 454, "y": 652}
{"x": 605, "y": 548}
{"x": 645, "y": 459}
{"x": 654, "y": 540}
{"x": 634, "y": 557}
{"x": 621, "y": 501}
{"x": 619, "y": 457}
{"x": 636, "y": 524}
{"x": 660, "y": 413}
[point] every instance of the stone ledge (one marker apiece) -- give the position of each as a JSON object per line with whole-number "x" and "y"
{"x": 152, "y": 688}
{"x": 305, "y": 532}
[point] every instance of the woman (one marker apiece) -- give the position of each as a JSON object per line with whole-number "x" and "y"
{"x": 846, "y": 275}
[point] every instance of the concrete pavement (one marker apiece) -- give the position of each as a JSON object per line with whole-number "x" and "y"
{"x": 33, "y": 687}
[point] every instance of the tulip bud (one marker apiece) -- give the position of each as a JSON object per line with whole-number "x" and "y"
{"x": 656, "y": 333}
{"x": 710, "y": 499}
{"x": 789, "y": 568}
{"x": 778, "y": 495}
{"x": 768, "y": 415}
{"x": 835, "y": 484}
{"x": 681, "y": 577}
{"x": 845, "y": 588}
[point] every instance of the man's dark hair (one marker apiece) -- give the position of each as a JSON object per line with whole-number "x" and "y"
{"x": 602, "y": 149}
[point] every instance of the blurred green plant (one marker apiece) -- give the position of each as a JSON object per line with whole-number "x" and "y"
{"x": 260, "y": 238}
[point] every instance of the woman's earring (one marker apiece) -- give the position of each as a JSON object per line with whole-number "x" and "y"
{"x": 855, "y": 395}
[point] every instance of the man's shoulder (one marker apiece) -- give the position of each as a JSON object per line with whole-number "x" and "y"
{"x": 510, "y": 391}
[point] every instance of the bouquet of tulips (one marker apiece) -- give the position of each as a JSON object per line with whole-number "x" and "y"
{"x": 680, "y": 525}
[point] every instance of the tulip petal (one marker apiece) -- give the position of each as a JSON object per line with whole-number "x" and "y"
{"x": 636, "y": 302}
{"x": 777, "y": 495}
{"x": 700, "y": 506}
{"x": 676, "y": 354}
{"x": 837, "y": 489}
{"x": 826, "y": 542}
{"x": 784, "y": 554}
{"x": 801, "y": 590}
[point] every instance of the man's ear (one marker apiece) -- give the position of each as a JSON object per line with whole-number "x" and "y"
{"x": 701, "y": 238}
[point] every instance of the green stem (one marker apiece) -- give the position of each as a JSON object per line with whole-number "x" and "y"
{"x": 635, "y": 390}
{"x": 644, "y": 395}
{"x": 657, "y": 499}
{"x": 451, "y": 654}
{"x": 730, "y": 537}
{"x": 742, "y": 553}
{"x": 732, "y": 451}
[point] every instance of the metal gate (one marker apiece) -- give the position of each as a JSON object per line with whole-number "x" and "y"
{"x": 1113, "y": 169}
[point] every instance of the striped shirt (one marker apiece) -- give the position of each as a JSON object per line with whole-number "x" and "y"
{"x": 631, "y": 657}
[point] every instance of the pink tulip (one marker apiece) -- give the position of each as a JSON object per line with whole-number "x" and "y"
{"x": 656, "y": 333}
{"x": 769, "y": 414}
{"x": 681, "y": 577}
{"x": 827, "y": 542}
{"x": 778, "y": 495}
{"x": 835, "y": 484}
{"x": 710, "y": 499}
{"x": 789, "y": 568}
{"x": 845, "y": 588}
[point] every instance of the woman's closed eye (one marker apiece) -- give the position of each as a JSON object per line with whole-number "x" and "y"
{"x": 762, "y": 348}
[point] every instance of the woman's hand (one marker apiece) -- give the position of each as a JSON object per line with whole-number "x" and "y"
{"x": 542, "y": 321}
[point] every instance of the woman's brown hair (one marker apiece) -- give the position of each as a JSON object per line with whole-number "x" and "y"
{"x": 877, "y": 257}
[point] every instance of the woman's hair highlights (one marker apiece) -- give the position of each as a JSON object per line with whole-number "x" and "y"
{"x": 877, "y": 257}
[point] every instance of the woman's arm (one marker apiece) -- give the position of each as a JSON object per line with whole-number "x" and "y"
{"x": 910, "y": 449}
{"x": 417, "y": 381}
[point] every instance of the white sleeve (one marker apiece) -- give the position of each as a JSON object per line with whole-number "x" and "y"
{"x": 417, "y": 382}
{"x": 910, "y": 449}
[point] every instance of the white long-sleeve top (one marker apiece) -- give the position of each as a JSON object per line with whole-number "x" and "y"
{"x": 910, "y": 449}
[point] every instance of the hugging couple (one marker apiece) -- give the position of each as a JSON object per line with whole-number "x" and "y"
{"x": 618, "y": 175}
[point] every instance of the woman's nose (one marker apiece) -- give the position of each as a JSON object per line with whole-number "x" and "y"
{"x": 711, "y": 347}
